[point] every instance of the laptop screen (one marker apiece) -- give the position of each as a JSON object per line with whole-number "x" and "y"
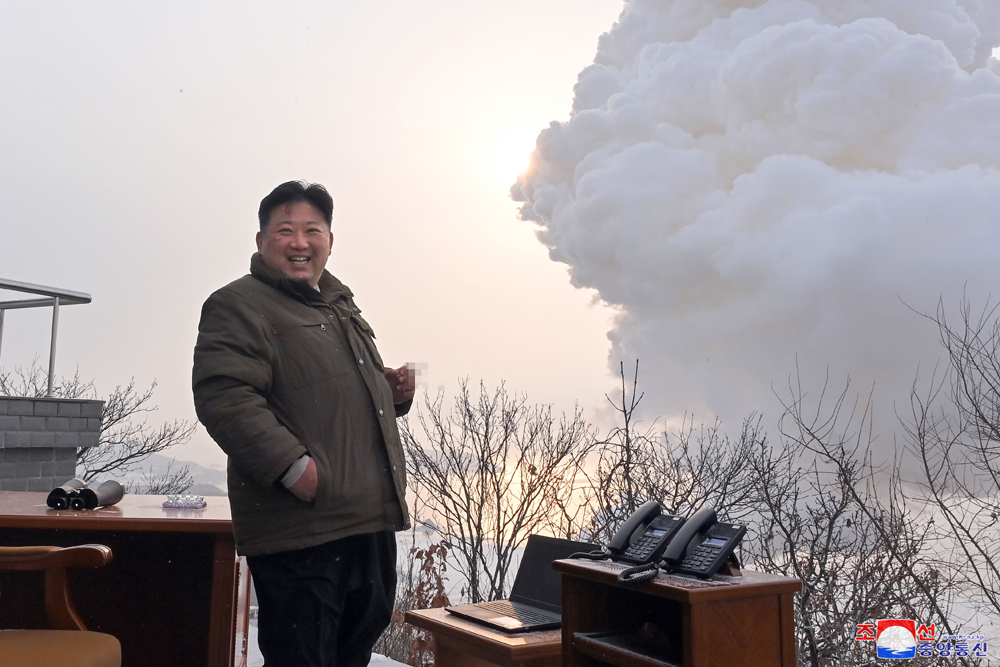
{"x": 537, "y": 583}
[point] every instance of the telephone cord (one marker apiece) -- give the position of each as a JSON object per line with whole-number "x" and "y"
{"x": 600, "y": 554}
{"x": 638, "y": 574}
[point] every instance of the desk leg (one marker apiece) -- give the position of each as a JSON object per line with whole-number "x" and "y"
{"x": 222, "y": 623}
{"x": 789, "y": 657}
{"x": 242, "y": 611}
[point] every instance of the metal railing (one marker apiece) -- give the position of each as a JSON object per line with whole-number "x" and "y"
{"x": 53, "y": 296}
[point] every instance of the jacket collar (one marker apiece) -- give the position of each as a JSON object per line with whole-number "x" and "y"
{"x": 331, "y": 289}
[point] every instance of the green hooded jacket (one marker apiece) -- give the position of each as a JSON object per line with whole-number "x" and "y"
{"x": 281, "y": 370}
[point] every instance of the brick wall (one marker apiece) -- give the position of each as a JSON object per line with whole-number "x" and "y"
{"x": 39, "y": 438}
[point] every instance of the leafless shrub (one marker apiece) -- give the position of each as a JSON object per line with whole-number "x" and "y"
{"x": 491, "y": 471}
{"x": 126, "y": 439}
{"x": 32, "y": 382}
{"x": 168, "y": 482}
{"x": 953, "y": 431}
{"x": 682, "y": 470}
{"x": 833, "y": 518}
{"x": 420, "y": 587}
{"x": 819, "y": 504}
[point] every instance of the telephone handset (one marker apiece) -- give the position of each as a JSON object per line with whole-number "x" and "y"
{"x": 644, "y": 535}
{"x": 641, "y": 517}
{"x": 702, "y": 545}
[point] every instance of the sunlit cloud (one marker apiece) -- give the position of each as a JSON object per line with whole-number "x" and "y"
{"x": 773, "y": 188}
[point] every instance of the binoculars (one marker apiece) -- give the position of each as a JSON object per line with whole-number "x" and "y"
{"x": 76, "y": 494}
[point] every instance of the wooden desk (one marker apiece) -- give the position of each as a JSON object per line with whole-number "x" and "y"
{"x": 675, "y": 621}
{"x": 172, "y": 594}
{"x": 461, "y": 643}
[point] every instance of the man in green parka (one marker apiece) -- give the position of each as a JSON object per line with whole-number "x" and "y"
{"x": 288, "y": 381}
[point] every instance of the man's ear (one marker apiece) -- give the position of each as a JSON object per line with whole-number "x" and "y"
{"x": 331, "y": 241}
{"x": 260, "y": 238}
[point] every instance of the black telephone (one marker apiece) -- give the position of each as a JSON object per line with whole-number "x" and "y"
{"x": 644, "y": 535}
{"x": 699, "y": 546}
{"x": 702, "y": 545}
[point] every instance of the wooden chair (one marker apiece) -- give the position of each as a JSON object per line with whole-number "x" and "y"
{"x": 68, "y": 642}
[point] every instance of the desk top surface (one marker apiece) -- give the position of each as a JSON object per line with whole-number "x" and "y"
{"x": 514, "y": 645}
{"x": 20, "y": 509}
{"x": 679, "y": 587}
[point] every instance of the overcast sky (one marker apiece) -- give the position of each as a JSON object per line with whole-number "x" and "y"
{"x": 137, "y": 139}
{"x": 729, "y": 190}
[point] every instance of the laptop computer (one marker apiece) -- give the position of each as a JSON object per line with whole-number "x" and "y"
{"x": 536, "y": 599}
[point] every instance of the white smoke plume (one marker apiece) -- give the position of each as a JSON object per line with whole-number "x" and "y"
{"x": 752, "y": 183}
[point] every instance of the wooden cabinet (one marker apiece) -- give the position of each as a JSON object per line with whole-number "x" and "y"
{"x": 675, "y": 621}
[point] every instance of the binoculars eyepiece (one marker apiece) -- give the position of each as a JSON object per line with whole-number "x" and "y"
{"x": 61, "y": 497}
{"x": 75, "y": 494}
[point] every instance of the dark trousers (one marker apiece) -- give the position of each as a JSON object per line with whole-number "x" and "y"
{"x": 325, "y": 606}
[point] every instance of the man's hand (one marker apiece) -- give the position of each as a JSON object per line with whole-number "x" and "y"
{"x": 403, "y": 381}
{"x": 305, "y": 488}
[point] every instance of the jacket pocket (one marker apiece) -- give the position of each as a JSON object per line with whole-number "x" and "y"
{"x": 307, "y": 354}
{"x": 323, "y": 488}
{"x": 332, "y": 489}
{"x": 347, "y": 486}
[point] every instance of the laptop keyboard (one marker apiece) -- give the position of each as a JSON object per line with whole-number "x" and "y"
{"x": 522, "y": 614}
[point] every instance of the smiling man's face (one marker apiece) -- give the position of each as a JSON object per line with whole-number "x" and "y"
{"x": 296, "y": 242}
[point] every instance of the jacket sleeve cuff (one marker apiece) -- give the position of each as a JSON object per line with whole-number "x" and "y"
{"x": 294, "y": 472}
{"x": 403, "y": 408}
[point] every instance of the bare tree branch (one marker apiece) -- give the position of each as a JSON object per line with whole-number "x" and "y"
{"x": 489, "y": 473}
{"x": 126, "y": 439}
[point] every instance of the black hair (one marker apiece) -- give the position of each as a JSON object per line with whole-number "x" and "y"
{"x": 292, "y": 192}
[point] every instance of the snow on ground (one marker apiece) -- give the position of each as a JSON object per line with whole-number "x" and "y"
{"x": 255, "y": 659}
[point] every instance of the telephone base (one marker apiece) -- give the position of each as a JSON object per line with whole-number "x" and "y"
{"x": 731, "y": 569}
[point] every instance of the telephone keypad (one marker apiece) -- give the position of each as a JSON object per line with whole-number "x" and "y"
{"x": 648, "y": 546}
{"x": 702, "y": 557}
{"x": 643, "y": 548}
{"x": 706, "y": 558}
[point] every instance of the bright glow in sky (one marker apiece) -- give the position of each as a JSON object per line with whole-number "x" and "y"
{"x": 513, "y": 151}
{"x": 138, "y": 139}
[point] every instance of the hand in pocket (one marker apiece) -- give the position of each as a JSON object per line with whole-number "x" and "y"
{"x": 305, "y": 488}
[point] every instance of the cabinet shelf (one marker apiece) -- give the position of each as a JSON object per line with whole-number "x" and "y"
{"x": 626, "y": 649}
